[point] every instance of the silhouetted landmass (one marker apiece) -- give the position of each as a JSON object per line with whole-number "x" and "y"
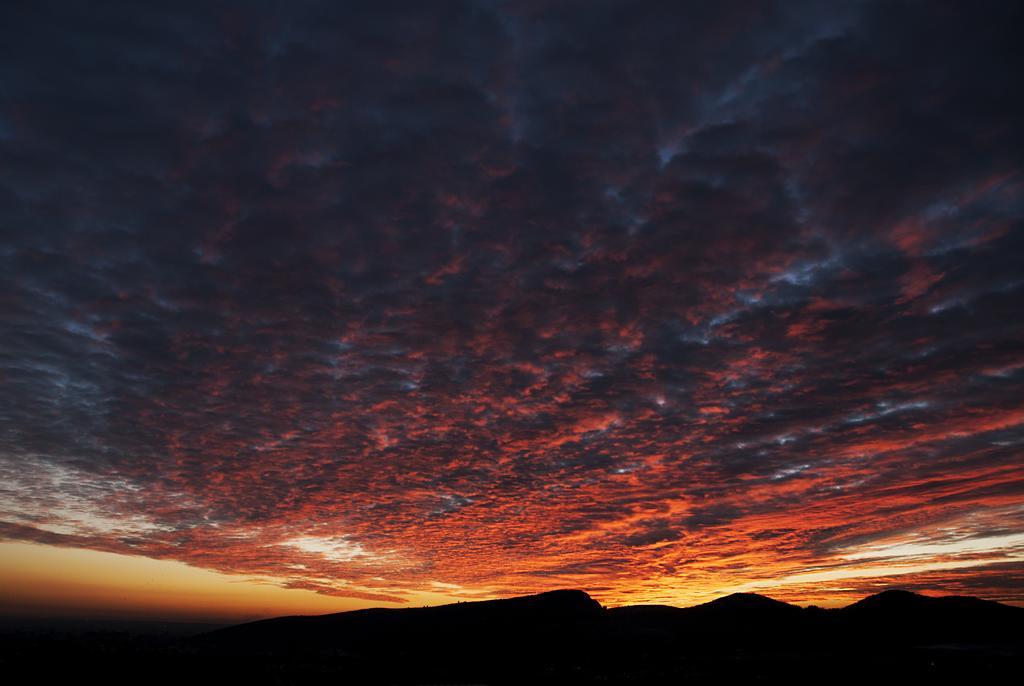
{"x": 564, "y": 637}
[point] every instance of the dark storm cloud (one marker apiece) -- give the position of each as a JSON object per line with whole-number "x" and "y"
{"x": 492, "y": 292}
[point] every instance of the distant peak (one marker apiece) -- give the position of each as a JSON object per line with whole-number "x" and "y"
{"x": 746, "y": 600}
{"x": 566, "y": 593}
{"x": 891, "y": 598}
{"x": 896, "y": 593}
{"x": 562, "y": 598}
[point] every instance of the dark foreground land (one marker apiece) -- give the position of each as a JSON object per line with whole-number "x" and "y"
{"x": 556, "y": 637}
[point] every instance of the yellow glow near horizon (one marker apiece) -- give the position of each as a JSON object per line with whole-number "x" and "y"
{"x": 44, "y": 580}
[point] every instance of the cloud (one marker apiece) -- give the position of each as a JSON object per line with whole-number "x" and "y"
{"x": 507, "y": 294}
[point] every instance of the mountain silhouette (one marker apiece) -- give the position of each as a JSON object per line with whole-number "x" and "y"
{"x": 524, "y": 617}
{"x": 745, "y": 602}
{"x": 907, "y": 602}
{"x": 569, "y": 634}
{"x": 566, "y": 636}
{"x": 746, "y": 618}
{"x": 739, "y": 615}
{"x": 901, "y": 615}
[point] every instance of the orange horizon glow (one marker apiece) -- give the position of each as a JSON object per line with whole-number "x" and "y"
{"x": 35, "y": 582}
{"x": 50, "y": 581}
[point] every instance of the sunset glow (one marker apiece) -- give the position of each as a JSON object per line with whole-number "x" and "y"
{"x": 352, "y": 306}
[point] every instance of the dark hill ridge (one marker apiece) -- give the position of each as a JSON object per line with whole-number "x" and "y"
{"x": 905, "y": 601}
{"x": 895, "y": 614}
{"x": 552, "y": 604}
{"x": 744, "y": 602}
{"x": 529, "y": 618}
{"x": 901, "y": 616}
{"x": 561, "y": 605}
{"x": 576, "y": 605}
{"x": 567, "y": 636}
{"x": 747, "y": 617}
{"x": 735, "y": 602}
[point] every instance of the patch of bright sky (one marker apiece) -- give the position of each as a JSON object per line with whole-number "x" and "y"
{"x": 336, "y": 548}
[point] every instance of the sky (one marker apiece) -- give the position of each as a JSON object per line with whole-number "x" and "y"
{"x": 308, "y": 306}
